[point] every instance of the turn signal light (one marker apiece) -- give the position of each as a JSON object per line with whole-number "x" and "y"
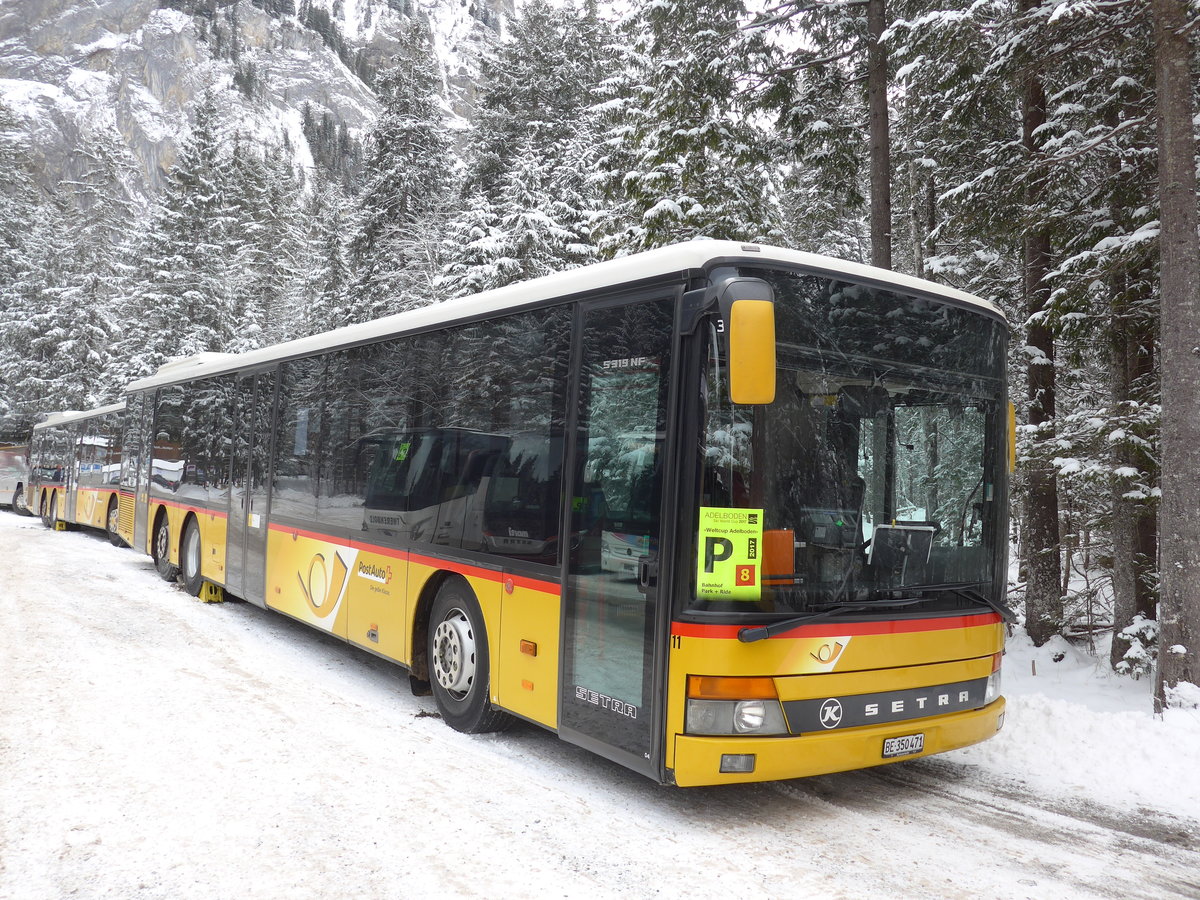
{"x": 717, "y": 687}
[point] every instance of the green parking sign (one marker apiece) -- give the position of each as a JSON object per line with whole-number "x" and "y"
{"x": 729, "y": 564}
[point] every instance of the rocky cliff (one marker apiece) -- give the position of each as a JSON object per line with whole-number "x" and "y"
{"x": 109, "y": 84}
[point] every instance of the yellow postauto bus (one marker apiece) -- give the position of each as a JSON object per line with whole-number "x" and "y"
{"x": 718, "y": 512}
{"x": 75, "y": 470}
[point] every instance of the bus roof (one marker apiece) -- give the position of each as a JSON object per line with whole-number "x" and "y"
{"x": 67, "y": 416}
{"x": 677, "y": 259}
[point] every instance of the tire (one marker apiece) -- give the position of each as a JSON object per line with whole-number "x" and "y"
{"x": 189, "y": 558}
{"x": 47, "y": 504}
{"x": 112, "y": 523}
{"x": 459, "y": 670}
{"x": 162, "y": 551}
{"x": 19, "y": 506}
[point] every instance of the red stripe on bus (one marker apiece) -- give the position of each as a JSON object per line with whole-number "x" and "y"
{"x": 435, "y": 562}
{"x": 830, "y": 629}
{"x": 198, "y": 510}
{"x": 534, "y": 584}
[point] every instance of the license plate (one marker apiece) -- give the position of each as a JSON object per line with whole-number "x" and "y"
{"x": 903, "y": 746}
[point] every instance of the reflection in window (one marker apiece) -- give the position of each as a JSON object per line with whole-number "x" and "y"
{"x": 877, "y": 465}
{"x": 451, "y": 438}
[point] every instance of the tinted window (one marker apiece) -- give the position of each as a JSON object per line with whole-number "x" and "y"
{"x": 451, "y": 438}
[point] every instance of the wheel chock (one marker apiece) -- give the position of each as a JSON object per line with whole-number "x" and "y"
{"x": 211, "y": 593}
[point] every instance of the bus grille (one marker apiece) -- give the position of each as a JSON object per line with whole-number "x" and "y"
{"x": 125, "y": 511}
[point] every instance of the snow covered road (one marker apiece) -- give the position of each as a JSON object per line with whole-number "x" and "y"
{"x": 152, "y": 746}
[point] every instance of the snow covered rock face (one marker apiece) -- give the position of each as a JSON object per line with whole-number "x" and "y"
{"x": 109, "y": 85}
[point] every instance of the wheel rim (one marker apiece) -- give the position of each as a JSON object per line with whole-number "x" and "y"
{"x": 161, "y": 540}
{"x": 191, "y": 554}
{"x": 454, "y": 654}
{"x": 19, "y": 501}
{"x": 112, "y": 520}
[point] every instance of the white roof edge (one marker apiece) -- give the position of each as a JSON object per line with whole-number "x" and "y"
{"x": 186, "y": 362}
{"x": 66, "y": 416}
{"x": 664, "y": 261}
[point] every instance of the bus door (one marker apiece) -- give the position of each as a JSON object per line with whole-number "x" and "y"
{"x": 135, "y": 469}
{"x": 610, "y": 698}
{"x": 75, "y": 454}
{"x": 246, "y": 538}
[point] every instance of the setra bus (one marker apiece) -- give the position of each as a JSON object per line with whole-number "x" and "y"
{"x": 75, "y": 469}
{"x": 718, "y": 512}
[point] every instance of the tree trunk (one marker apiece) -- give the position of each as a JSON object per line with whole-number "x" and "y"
{"x": 1134, "y": 520}
{"x": 1124, "y": 510}
{"x": 1179, "y": 605}
{"x": 881, "y": 142}
{"x": 1043, "y": 597}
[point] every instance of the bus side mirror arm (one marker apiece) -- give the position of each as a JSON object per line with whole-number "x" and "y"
{"x": 693, "y": 307}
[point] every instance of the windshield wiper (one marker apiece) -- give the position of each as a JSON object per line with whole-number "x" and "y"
{"x": 969, "y": 590}
{"x": 752, "y": 633}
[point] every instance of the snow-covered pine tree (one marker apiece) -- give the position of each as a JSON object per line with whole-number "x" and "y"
{"x": 530, "y": 203}
{"x": 320, "y": 304}
{"x": 18, "y": 211}
{"x": 809, "y": 77}
{"x": 537, "y": 84}
{"x": 684, "y": 159}
{"x": 264, "y": 245}
{"x": 181, "y": 300}
{"x": 409, "y": 174}
{"x": 962, "y": 71}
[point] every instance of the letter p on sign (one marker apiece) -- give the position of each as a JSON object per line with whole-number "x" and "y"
{"x": 716, "y": 549}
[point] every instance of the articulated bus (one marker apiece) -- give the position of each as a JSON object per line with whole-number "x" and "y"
{"x": 75, "y": 470}
{"x": 718, "y": 512}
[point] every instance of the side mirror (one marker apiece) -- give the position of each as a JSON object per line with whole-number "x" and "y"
{"x": 749, "y": 308}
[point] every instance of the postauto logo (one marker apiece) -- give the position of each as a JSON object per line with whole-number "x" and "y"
{"x": 372, "y": 572}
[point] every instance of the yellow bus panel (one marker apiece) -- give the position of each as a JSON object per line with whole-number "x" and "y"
{"x": 308, "y": 577}
{"x": 527, "y": 661}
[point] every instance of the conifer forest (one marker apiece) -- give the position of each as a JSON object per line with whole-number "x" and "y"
{"x": 1038, "y": 153}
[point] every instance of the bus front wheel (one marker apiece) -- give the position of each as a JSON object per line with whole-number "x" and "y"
{"x": 45, "y": 510}
{"x": 458, "y": 662}
{"x": 162, "y": 551}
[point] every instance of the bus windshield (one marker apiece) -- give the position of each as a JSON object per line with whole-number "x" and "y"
{"x": 878, "y": 472}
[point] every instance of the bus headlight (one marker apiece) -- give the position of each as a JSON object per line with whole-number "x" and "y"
{"x": 733, "y": 705}
{"x": 992, "y": 691}
{"x": 758, "y": 717}
{"x": 735, "y": 717}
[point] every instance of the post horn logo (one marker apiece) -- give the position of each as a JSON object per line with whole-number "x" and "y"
{"x": 322, "y": 589}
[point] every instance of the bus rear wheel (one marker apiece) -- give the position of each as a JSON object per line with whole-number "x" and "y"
{"x": 112, "y": 524}
{"x": 459, "y": 670}
{"x": 189, "y": 558}
{"x": 162, "y": 551}
{"x": 19, "y": 506}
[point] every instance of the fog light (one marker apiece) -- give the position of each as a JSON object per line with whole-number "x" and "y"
{"x": 737, "y": 763}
